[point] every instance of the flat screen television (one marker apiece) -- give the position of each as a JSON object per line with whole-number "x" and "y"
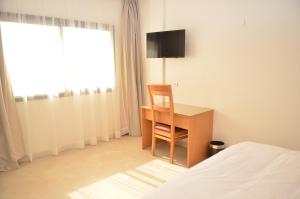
{"x": 166, "y": 44}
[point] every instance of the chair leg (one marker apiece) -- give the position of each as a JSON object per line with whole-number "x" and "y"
{"x": 153, "y": 145}
{"x": 172, "y": 152}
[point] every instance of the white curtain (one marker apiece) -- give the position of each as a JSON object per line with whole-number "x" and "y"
{"x": 72, "y": 99}
{"x": 53, "y": 125}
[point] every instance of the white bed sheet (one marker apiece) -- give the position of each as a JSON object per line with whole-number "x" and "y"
{"x": 245, "y": 170}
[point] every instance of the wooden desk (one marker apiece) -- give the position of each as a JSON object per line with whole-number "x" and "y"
{"x": 197, "y": 120}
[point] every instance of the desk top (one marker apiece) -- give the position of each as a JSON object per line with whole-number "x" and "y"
{"x": 187, "y": 110}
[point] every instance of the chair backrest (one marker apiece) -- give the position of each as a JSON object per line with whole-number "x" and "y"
{"x": 164, "y": 91}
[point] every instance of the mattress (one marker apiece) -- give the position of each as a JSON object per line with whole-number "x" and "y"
{"x": 245, "y": 170}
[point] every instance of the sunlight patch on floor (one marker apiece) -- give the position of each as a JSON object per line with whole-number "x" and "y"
{"x": 132, "y": 184}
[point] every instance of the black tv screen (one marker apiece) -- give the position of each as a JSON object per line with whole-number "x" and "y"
{"x": 166, "y": 44}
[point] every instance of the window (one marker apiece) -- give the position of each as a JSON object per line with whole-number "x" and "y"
{"x": 48, "y": 59}
{"x": 88, "y": 58}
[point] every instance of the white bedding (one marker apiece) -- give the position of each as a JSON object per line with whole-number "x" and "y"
{"x": 245, "y": 170}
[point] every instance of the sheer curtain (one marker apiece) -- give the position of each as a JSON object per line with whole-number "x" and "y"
{"x": 53, "y": 125}
{"x": 64, "y": 72}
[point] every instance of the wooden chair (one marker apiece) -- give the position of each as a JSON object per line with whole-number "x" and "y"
{"x": 165, "y": 131}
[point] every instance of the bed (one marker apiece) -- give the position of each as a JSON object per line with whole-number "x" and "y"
{"x": 245, "y": 170}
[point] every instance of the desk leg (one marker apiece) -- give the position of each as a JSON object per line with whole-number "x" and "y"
{"x": 146, "y": 128}
{"x": 199, "y": 136}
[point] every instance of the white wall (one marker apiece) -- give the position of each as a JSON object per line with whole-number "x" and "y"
{"x": 242, "y": 60}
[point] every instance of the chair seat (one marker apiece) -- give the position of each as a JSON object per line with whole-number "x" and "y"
{"x": 165, "y": 130}
{"x": 166, "y": 127}
{"x": 162, "y": 127}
